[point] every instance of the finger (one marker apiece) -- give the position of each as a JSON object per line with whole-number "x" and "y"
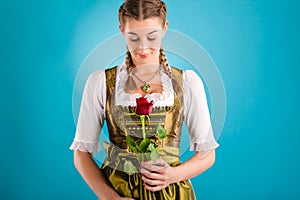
{"x": 151, "y": 167}
{"x": 161, "y": 162}
{"x": 152, "y": 175}
{"x": 154, "y": 182}
{"x": 154, "y": 188}
{"x": 158, "y": 165}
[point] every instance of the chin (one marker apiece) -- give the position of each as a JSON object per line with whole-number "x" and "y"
{"x": 142, "y": 61}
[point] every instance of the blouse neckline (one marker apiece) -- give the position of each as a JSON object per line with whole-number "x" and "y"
{"x": 165, "y": 98}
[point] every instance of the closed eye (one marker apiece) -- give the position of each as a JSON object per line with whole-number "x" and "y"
{"x": 134, "y": 39}
{"x": 151, "y": 38}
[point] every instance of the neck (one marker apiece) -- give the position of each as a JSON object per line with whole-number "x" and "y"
{"x": 148, "y": 62}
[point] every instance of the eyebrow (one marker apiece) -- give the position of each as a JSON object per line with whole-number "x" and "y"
{"x": 152, "y": 32}
{"x": 132, "y": 33}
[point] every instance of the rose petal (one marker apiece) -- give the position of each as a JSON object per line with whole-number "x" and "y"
{"x": 143, "y": 107}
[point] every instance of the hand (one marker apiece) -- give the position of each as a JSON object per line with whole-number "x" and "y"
{"x": 158, "y": 175}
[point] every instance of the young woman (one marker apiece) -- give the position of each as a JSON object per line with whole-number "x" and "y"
{"x": 176, "y": 96}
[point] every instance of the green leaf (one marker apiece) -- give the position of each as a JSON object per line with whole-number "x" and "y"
{"x": 154, "y": 155}
{"x": 144, "y": 145}
{"x": 147, "y": 155}
{"x": 129, "y": 168}
{"x": 131, "y": 143}
{"x": 141, "y": 157}
{"x": 151, "y": 146}
{"x": 161, "y": 132}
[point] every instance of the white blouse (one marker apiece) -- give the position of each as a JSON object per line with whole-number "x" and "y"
{"x": 92, "y": 109}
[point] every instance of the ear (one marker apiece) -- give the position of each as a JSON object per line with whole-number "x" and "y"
{"x": 121, "y": 29}
{"x": 165, "y": 27}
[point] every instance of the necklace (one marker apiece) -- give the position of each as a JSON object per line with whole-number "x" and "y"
{"x": 146, "y": 87}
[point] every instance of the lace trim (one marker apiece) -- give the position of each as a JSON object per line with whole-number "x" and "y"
{"x": 166, "y": 98}
{"x": 85, "y": 146}
{"x": 206, "y": 146}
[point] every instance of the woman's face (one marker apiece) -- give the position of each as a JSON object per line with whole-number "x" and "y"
{"x": 143, "y": 39}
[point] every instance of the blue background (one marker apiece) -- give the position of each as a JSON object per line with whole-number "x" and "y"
{"x": 255, "y": 45}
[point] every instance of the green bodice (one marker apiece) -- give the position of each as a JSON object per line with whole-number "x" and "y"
{"x": 122, "y": 121}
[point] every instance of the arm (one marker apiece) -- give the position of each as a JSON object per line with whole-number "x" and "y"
{"x": 159, "y": 175}
{"x": 90, "y": 122}
{"x": 93, "y": 176}
{"x": 198, "y": 163}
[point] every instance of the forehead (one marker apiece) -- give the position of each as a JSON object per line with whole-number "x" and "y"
{"x": 144, "y": 31}
{"x": 132, "y": 24}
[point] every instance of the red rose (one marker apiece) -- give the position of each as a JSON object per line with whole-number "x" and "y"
{"x": 143, "y": 107}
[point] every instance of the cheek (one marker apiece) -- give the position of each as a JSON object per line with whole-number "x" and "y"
{"x": 132, "y": 46}
{"x": 154, "y": 52}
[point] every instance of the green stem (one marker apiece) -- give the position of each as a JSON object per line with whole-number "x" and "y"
{"x": 143, "y": 125}
{"x": 142, "y": 117}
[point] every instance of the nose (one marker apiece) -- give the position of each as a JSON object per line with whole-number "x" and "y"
{"x": 142, "y": 50}
{"x": 143, "y": 45}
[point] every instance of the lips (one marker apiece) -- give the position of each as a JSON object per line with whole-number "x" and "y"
{"x": 143, "y": 55}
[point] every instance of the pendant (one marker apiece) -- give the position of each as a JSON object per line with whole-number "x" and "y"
{"x": 146, "y": 88}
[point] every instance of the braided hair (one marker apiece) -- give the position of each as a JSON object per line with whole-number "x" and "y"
{"x": 141, "y": 10}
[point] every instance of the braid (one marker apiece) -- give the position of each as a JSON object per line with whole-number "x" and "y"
{"x": 123, "y": 13}
{"x": 163, "y": 11}
{"x": 177, "y": 86}
{"x": 130, "y": 84}
{"x": 128, "y": 61}
{"x": 163, "y": 61}
{"x": 142, "y": 9}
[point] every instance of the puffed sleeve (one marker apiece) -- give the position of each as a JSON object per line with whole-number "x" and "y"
{"x": 91, "y": 115}
{"x": 196, "y": 113}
